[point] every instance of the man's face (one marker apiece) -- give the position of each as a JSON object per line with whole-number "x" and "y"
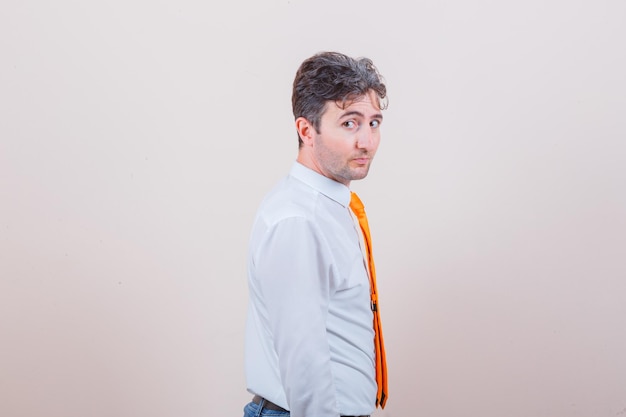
{"x": 348, "y": 139}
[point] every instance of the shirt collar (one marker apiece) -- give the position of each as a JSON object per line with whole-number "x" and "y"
{"x": 330, "y": 188}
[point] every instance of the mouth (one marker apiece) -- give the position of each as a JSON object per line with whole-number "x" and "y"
{"x": 362, "y": 160}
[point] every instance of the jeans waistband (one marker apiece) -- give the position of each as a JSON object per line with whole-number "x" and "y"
{"x": 268, "y": 405}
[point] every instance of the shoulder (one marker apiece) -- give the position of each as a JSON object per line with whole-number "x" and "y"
{"x": 289, "y": 199}
{"x": 288, "y": 214}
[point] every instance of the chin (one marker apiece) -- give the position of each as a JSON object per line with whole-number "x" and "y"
{"x": 359, "y": 175}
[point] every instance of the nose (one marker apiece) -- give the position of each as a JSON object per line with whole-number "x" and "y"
{"x": 365, "y": 139}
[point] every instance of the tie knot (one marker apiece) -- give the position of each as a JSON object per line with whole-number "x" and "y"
{"x": 356, "y": 205}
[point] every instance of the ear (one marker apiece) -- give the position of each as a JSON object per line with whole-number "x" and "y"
{"x": 305, "y": 130}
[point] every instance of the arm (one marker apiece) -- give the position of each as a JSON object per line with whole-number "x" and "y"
{"x": 293, "y": 269}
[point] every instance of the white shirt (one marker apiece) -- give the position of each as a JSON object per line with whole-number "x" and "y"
{"x": 309, "y": 336}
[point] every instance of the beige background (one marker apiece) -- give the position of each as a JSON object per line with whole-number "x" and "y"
{"x": 138, "y": 137}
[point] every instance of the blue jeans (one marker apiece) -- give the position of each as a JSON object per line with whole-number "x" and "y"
{"x": 254, "y": 410}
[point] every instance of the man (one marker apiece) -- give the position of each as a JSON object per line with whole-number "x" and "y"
{"x": 312, "y": 317}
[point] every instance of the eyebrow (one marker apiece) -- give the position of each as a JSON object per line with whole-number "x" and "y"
{"x": 358, "y": 113}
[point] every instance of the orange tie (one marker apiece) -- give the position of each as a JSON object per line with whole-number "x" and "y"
{"x": 381, "y": 361}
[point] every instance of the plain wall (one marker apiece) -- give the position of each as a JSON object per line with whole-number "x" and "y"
{"x": 138, "y": 137}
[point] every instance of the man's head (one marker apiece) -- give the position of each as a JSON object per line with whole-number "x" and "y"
{"x": 337, "y": 102}
{"x": 332, "y": 76}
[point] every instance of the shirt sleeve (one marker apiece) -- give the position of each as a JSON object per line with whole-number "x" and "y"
{"x": 294, "y": 270}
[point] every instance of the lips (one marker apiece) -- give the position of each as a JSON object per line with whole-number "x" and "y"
{"x": 361, "y": 160}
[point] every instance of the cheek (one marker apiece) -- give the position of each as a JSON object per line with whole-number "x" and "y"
{"x": 348, "y": 148}
{"x": 376, "y": 143}
{"x": 339, "y": 144}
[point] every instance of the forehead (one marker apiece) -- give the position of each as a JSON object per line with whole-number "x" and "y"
{"x": 368, "y": 101}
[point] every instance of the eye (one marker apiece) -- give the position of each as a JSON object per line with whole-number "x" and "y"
{"x": 375, "y": 123}
{"x": 349, "y": 124}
